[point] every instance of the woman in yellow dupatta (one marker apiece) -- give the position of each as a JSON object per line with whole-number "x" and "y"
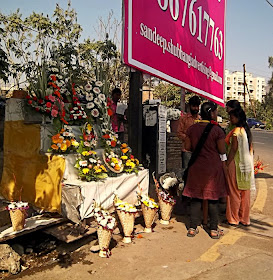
{"x": 240, "y": 175}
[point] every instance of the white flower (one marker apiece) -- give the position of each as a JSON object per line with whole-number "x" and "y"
{"x": 96, "y": 90}
{"x": 108, "y": 142}
{"x": 112, "y": 164}
{"x": 83, "y": 163}
{"x": 97, "y": 101}
{"x": 98, "y": 83}
{"x": 59, "y": 145}
{"x": 88, "y": 87}
{"x": 95, "y": 113}
{"x": 92, "y": 160}
{"x": 89, "y": 96}
{"x": 66, "y": 133}
{"x": 86, "y": 144}
{"x": 90, "y": 105}
{"x": 101, "y": 96}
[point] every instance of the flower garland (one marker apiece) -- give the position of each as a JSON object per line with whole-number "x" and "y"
{"x": 64, "y": 141}
{"x": 131, "y": 164}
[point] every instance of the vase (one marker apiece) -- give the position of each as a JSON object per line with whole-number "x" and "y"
{"x": 149, "y": 216}
{"x": 17, "y": 217}
{"x": 166, "y": 211}
{"x": 127, "y": 221}
{"x": 104, "y": 237}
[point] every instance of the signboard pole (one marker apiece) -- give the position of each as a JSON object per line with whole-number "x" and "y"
{"x": 135, "y": 114}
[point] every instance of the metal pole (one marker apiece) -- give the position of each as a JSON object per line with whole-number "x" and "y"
{"x": 244, "y": 66}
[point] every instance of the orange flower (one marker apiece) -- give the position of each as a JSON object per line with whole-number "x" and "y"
{"x": 106, "y": 136}
{"x": 125, "y": 150}
{"x": 117, "y": 168}
{"x": 55, "y": 138}
{"x": 63, "y": 147}
{"x": 54, "y": 147}
{"x": 124, "y": 145}
{"x": 68, "y": 143}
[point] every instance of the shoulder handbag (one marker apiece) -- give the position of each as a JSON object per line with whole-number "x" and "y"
{"x": 197, "y": 150}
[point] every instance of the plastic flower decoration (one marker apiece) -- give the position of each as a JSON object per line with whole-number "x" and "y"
{"x": 173, "y": 114}
{"x": 64, "y": 141}
{"x": 131, "y": 164}
{"x": 166, "y": 197}
{"x": 89, "y": 138}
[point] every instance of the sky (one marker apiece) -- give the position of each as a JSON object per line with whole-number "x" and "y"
{"x": 249, "y": 27}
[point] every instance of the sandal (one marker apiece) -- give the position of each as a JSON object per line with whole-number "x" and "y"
{"x": 192, "y": 232}
{"x": 216, "y": 234}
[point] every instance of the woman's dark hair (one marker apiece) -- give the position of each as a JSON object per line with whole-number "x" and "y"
{"x": 116, "y": 90}
{"x": 206, "y": 110}
{"x": 241, "y": 116}
{"x": 234, "y": 104}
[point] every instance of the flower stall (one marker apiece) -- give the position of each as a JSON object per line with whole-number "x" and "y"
{"x": 72, "y": 152}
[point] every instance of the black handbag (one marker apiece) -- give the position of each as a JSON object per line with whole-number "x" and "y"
{"x": 197, "y": 150}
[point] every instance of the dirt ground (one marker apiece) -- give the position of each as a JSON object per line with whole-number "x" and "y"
{"x": 44, "y": 254}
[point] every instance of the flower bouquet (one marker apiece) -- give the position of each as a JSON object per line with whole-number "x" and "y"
{"x": 166, "y": 201}
{"x": 64, "y": 142}
{"x": 149, "y": 209}
{"x": 126, "y": 213}
{"x": 90, "y": 166}
{"x": 17, "y": 211}
{"x": 131, "y": 164}
{"x": 106, "y": 225}
{"x": 258, "y": 166}
{"x": 112, "y": 161}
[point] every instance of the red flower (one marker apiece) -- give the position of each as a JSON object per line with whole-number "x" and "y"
{"x": 106, "y": 136}
{"x": 53, "y": 78}
{"x": 28, "y": 97}
{"x": 40, "y": 101}
{"x": 110, "y": 112}
{"x": 48, "y": 104}
{"x": 46, "y": 97}
{"x": 132, "y": 157}
{"x": 113, "y": 143}
{"x": 80, "y": 117}
{"x": 47, "y": 111}
{"x": 71, "y": 117}
{"x": 34, "y": 98}
{"x": 37, "y": 109}
{"x": 29, "y": 102}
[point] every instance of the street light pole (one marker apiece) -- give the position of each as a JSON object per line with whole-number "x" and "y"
{"x": 244, "y": 66}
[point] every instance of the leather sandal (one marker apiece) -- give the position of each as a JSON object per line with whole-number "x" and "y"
{"x": 192, "y": 232}
{"x": 216, "y": 234}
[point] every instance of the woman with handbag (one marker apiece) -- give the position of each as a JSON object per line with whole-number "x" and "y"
{"x": 205, "y": 177}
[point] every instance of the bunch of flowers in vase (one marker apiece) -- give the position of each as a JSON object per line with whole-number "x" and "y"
{"x": 94, "y": 99}
{"x": 126, "y": 213}
{"x": 149, "y": 209}
{"x": 90, "y": 166}
{"x": 166, "y": 201}
{"x": 64, "y": 141}
{"x": 113, "y": 161}
{"x": 17, "y": 211}
{"x": 106, "y": 225}
{"x": 131, "y": 164}
{"x": 46, "y": 96}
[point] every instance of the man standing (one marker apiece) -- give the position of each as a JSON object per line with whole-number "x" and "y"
{"x": 185, "y": 122}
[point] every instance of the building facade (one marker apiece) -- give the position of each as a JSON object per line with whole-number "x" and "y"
{"x": 234, "y": 87}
